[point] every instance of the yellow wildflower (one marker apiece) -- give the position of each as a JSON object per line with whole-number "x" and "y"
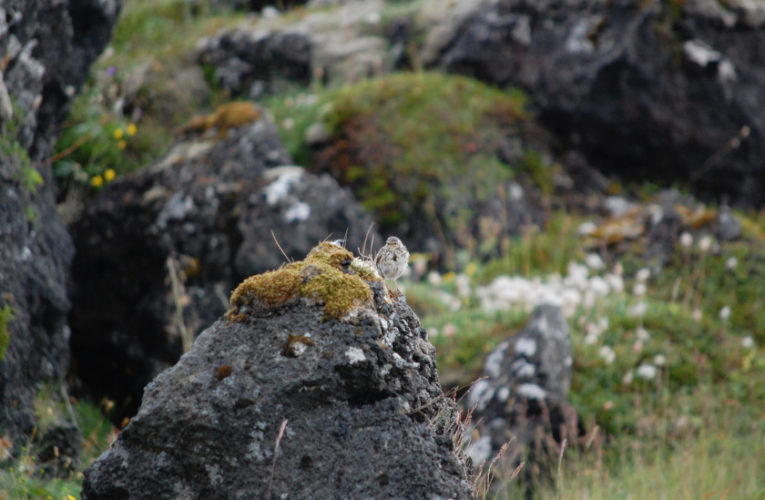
{"x": 97, "y": 181}
{"x": 131, "y": 130}
{"x": 118, "y": 133}
{"x": 122, "y": 144}
{"x": 71, "y": 497}
{"x": 109, "y": 175}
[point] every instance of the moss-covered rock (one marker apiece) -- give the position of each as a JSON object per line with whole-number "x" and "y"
{"x": 330, "y": 275}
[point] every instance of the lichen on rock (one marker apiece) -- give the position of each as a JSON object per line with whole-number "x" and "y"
{"x": 329, "y": 275}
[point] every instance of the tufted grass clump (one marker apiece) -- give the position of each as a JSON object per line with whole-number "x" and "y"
{"x": 327, "y": 276}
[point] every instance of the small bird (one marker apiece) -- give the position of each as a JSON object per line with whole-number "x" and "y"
{"x": 392, "y": 259}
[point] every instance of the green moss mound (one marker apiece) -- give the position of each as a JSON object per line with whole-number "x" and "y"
{"x": 414, "y": 144}
{"x": 329, "y": 276}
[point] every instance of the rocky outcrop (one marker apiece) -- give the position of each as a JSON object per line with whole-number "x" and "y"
{"x": 318, "y": 384}
{"x": 159, "y": 250}
{"x": 47, "y": 49}
{"x": 342, "y": 44}
{"x": 659, "y": 90}
{"x": 522, "y": 398}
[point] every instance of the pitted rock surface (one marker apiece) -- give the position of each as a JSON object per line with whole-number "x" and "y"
{"x": 47, "y": 50}
{"x": 644, "y": 90}
{"x": 360, "y": 402}
{"x": 523, "y": 398}
{"x": 207, "y": 210}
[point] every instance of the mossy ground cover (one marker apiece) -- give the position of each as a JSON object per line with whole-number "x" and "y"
{"x": 412, "y": 145}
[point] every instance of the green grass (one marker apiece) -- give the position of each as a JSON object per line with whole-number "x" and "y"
{"x": 21, "y": 479}
{"x": 162, "y": 33}
{"x": 693, "y": 430}
{"x": 418, "y": 146}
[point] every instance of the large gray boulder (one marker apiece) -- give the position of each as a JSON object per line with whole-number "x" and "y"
{"x": 47, "y": 49}
{"x": 660, "y": 90}
{"x": 339, "y": 44}
{"x": 521, "y": 398}
{"x": 319, "y": 383}
{"x": 159, "y": 250}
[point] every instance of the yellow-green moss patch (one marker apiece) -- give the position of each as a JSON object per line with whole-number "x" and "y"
{"x": 327, "y": 276}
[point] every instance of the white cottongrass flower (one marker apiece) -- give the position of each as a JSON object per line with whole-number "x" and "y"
{"x": 643, "y": 274}
{"x": 642, "y": 334}
{"x": 638, "y": 309}
{"x": 463, "y": 285}
{"x": 587, "y": 228}
{"x": 725, "y": 313}
{"x": 747, "y": 342}
{"x": 705, "y": 243}
{"x": 607, "y": 354}
{"x": 646, "y": 371}
{"x": 697, "y": 315}
{"x": 686, "y": 240}
{"x": 618, "y": 269}
{"x": 731, "y": 264}
{"x": 627, "y": 378}
{"x": 449, "y": 330}
{"x": 615, "y": 281}
{"x": 639, "y": 289}
{"x": 594, "y": 261}
{"x": 637, "y": 346}
{"x": 603, "y": 323}
{"x": 659, "y": 360}
{"x": 434, "y": 278}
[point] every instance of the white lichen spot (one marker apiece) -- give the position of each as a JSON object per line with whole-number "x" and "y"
{"x": 479, "y": 451}
{"x": 531, "y": 391}
{"x": 480, "y": 395}
{"x": 700, "y": 53}
{"x": 402, "y": 363}
{"x": 521, "y": 368}
{"x": 503, "y": 394}
{"x": 214, "y": 475}
{"x": 284, "y": 177}
{"x": 389, "y": 336}
{"x": 385, "y": 370}
{"x": 747, "y": 342}
{"x": 494, "y": 360}
{"x": 298, "y": 212}
{"x": 254, "y": 450}
{"x": 355, "y": 355}
{"x": 526, "y": 347}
